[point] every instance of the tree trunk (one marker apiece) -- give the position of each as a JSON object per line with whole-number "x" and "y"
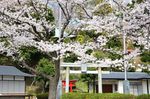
{"x": 88, "y": 86}
{"x": 54, "y": 81}
{"x": 52, "y": 89}
{"x": 94, "y": 85}
{"x": 44, "y": 86}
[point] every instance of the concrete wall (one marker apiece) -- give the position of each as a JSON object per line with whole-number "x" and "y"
{"x": 138, "y": 89}
{"x": 144, "y": 85}
{"x": 120, "y": 86}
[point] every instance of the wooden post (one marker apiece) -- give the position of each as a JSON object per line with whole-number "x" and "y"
{"x": 67, "y": 80}
{"x": 99, "y": 80}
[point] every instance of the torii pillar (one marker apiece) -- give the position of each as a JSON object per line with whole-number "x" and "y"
{"x": 67, "y": 79}
{"x": 99, "y": 80}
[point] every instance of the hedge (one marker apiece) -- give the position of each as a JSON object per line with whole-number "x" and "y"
{"x": 42, "y": 96}
{"x": 144, "y": 96}
{"x": 97, "y": 96}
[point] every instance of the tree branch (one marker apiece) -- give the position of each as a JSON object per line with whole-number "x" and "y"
{"x": 63, "y": 10}
{"x": 23, "y": 63}
{"x": 64, "y": 27}
{"x": 85, "y": 11}
{"x": 34, "y": 28}
{"x": 119, "y": 5}
{"x": 34, "y": 7}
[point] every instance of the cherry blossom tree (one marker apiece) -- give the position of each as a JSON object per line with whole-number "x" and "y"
{"x": 130, "y": 18}
{"x": 134, "y": 20}
{"x": 32, "y": 23}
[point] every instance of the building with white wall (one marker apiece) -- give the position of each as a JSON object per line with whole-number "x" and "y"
{"x": 110, "y": 82}
{"x": 113, "y": 82}
{"x": 12, "y": 82}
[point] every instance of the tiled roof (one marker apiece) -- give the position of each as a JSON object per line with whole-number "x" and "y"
{"x": 130, "y": 75}
{"x": 11, "y": 70}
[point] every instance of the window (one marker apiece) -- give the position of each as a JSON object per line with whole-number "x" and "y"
{"x": 19, "y": 78}
{"x": 8, "y": 77}
{"x": 12, "y": 86}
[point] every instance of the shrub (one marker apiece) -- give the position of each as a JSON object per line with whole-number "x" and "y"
{"x": 42, "y": 96}
{"x": 144, "y": 96}
{"x": 73, "y": 96}
{"x": 97, "y": 96}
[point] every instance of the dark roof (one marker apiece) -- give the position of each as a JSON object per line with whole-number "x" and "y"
{"x": 11, "y": 70}
{"x": 130, "y": 75}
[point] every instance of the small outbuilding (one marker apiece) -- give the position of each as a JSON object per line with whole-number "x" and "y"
{"x": 113, "y": 82}
{"x": 12, "y": 83}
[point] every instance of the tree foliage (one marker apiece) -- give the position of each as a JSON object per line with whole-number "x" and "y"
{"x": 104, "y": 10}
{"x": 114, "y": 42}
{"x": 31, "y": 55}
{"x": 104, "y": 54}
{"x": 31, "y": 23}
{"x": 145, "y": 56}
{"x": 4, "y": 60}
{"x": 70, "y": 57}
{"x": 46, "y": 66}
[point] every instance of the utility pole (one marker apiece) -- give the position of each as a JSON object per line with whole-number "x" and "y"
{"x": 126, "y": 86}
{"x": 58, "y": 34}
{"x": 124, "y": 53}
{"x": 99, "y": 79}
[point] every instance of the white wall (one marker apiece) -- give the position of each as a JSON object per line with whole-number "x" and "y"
{"x": 144, "y": 85}
{"x": 136, "y": 87}
{"x": 113, "y": 87}
{"x": 120, "y": 86}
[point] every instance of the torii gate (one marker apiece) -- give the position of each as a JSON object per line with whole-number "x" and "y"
{"x": 84, "y": 67}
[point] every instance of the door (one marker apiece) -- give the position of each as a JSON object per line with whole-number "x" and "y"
{"x": 107, "y": 88}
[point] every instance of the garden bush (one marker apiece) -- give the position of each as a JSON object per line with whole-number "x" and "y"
{"x": 42, "y": 96}
{"x": 97, "y": 96}
{"x": 144, "y": 96}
